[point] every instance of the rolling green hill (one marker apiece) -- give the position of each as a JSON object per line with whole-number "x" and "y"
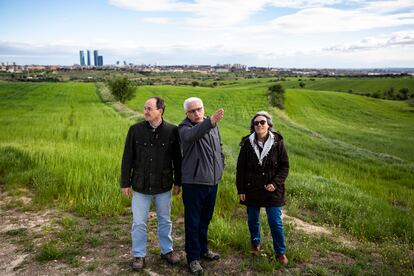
{"x": 370, "y": 86}
{"x": 352, "y": 164}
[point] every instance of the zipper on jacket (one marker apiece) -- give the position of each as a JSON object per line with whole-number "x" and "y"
{"x": 196, "y": 168}
{"x": 213, "y": 146}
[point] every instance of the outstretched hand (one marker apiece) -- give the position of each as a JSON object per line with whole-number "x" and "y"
{"x": 217, "y": 116}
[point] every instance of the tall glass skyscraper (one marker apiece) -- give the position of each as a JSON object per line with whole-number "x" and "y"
{"x": 88, "y": 57}
{"x": 82, "y": 57}
{"x": 95, "y": 58}
{"x": 100, "y": 60}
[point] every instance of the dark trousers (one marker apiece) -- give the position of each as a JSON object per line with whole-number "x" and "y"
{"x": 199, "y": 202}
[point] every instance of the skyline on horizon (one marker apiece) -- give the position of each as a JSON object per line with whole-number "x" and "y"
{"x": 269, "y": 33}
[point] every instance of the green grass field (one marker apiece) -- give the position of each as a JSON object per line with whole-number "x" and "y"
{"x": 352, "y": 164}
{"x": 369, "y": 86}
{"x": 60, "y": 140}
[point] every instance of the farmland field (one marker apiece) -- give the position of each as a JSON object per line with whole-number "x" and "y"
{"x": 352, "y": 161}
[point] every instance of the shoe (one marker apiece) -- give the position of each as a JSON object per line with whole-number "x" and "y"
{"x": 171, "y": 257}
{"x": 282, "y": 259}
{"x": 138, "y": 263}
{"x": 255, "y": 249}
{"x": 211, "y": 256}
{"x": 196, "y": 268}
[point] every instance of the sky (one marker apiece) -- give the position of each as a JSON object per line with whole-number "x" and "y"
{"x": 285, "y": 33}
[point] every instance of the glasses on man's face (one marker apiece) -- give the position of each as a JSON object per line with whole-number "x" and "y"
{"x": 261, "y": 122}
{"x": 192, "y": 111}
{"x": 149, "y": 109}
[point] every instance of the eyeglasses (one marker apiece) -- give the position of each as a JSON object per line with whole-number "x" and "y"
{"x": 261, "y": 122}
{"x": 192, "y": 111}
{"x": 149, "y": 109}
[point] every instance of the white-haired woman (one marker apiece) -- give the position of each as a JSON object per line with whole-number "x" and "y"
{"x": 262, "y": 168}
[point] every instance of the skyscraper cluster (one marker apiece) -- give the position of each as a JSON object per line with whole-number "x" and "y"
{"x": 97, "y": 59}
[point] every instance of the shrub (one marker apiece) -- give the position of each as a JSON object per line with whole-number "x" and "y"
{"x": 276, "y": 94}
{"x": 122, "y": 88}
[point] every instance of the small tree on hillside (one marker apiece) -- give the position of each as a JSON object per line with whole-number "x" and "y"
{"x": 122, "y": 88}
{"x": 276, "y": 95}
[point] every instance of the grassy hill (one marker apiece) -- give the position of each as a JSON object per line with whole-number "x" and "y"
{"x": 370, "y": 86}
{"x": 351, "y": 161}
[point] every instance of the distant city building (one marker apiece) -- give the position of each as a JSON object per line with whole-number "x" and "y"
{"x": 95, "y": 57}
{"x": 82, "y": 58}
{"x": 88, "y": 57}
{"x": 100, "y": 61}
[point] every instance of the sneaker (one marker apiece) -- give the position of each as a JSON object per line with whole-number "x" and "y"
{"x": 255, "y": 249}
{"x": 211, "y": 256}
{"x": 282, "y": 259}
{"x": 171, "y": 257}
{"x": 196, "y": 268}
{"x": 138, "y": 263}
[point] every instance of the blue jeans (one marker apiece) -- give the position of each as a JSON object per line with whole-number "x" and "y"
{"x": 274, "y": 218}
{"x": 199, "y": 202}
{"x": 140, "y": 208}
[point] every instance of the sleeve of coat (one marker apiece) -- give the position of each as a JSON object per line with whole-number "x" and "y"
{"x": 177, "y": 158}
{"x": 193, "y": 133}
{"x": 241, "y": 170}
{"x": 127, "y": 160}
{"x": 283, "y": 165}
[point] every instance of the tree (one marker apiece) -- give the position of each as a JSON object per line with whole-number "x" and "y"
{"x": 122, "y": 88}
{"x": 389, "y": 94}
{"x": 276, "y": 95}
{"x": 404, "y": 92}
{"x": 302, "y": 84}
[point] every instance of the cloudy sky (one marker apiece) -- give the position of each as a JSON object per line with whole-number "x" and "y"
{"x": 285, "y": 33}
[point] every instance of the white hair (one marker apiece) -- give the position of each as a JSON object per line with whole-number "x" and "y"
{"x": 190, "y": 100}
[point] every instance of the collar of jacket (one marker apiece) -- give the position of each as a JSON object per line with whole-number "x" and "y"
{"x": 187, "y": 121}
{"x": 148, "y": 125}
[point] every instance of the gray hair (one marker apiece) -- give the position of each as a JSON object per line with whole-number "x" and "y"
{"x": 268, "y": 119}
{"x": 190, "y": 100}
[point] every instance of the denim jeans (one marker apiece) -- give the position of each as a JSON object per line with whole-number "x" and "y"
{"x": 140, "y": 208}
{"x": 274, "y": 218}
{"x": 199, "y": 202}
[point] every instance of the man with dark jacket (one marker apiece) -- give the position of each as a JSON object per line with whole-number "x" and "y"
{"x": 151, "y": 163}
{"x": 202, "y": 169}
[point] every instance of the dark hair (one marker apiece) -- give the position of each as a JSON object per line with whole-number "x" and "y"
{"x": 159, "y": 103}
{"x": 268, "y": 119}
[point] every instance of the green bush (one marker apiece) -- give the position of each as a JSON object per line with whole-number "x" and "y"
{"x": 122, "y": 88}
{"x": 276, "y": 94}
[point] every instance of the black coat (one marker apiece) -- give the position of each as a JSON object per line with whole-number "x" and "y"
{"x": 251, "y": 176}
{"x": 152, "y": 158}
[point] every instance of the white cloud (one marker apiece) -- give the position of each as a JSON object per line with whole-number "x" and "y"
{"x": 329, "y": 20}
{"x": 153, "y": 5}
{"x": 397, "y": 39}
{"x": 312, "y": 16}
{"x": 156, "y": 20}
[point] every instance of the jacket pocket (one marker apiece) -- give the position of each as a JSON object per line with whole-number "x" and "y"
{"x": 138, "y": 181}
{"x": 196, "y": 168}
{"x": 166, "y": 179}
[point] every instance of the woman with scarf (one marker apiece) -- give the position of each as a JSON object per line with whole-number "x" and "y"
{"x": 262, "y": 168}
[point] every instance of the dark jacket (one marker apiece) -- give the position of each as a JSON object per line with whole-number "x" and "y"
{"x": 251, "y": 176}
{"x": 151, "y": 158}
{"x": 203, "y": 159}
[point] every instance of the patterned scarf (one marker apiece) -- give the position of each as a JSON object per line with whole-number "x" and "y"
{"x": 266, "y": 148}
